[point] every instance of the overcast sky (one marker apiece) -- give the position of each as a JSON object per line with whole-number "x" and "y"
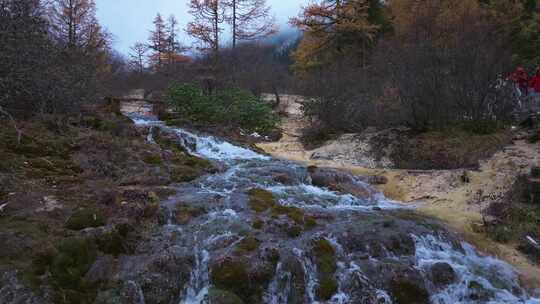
{"x": 130, "y": 20}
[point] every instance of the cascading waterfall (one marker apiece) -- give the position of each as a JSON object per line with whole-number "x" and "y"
{"x": 226, "y": 224}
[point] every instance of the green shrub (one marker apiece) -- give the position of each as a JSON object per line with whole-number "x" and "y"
{"x": 225, "y": 107}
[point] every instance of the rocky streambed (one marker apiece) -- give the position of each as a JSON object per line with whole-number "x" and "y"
{"x": 262, "y": 230}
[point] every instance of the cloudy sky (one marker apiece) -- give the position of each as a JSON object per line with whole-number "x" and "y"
{"x": 130, "y": 20}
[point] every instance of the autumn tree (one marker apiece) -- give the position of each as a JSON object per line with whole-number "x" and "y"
{"x": 137, "y": 57}
{"x": 332, "y": 28}
{"x": 158, "y": 42}
{"x": 249, "y": 20}
{"x": 209, "y": 15}
{"x": 174, "y": 47}
{"x": 74, "y": 23}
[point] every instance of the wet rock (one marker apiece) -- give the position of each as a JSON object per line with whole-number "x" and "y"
{"x": 284, "y": 179}
{"x": 442, "y": 275}
{"x": 160, "y": 275}
{"x": 477, "y": 292}
{"x": 12, "y": 291}
{"x": 409, "y": 288}
{"x": 133, "y": 293}
{"x": 339, "y": 182}
{"x": 101, "y": 271}
{"x": 298, "y": 283}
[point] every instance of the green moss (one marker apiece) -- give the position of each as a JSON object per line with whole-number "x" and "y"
{"x": 182, "y": 174}
{"x": 258, "y": 224}
{"x": 310, "y": 222}
{"x": 219, "y": 296}
{"x": 248, "y": 244}
{"x": 261, "y": 200}
{"x": 153, "y": 159}
{"x": 325, "y": 259}
{"x": 85, "y": 218}
{"x": 407, "y": 292}
{"x": 231, "y": 275}
{"x": 184, "y": 214}
{"x": 327, "y": 288}
{"x": 293, "y": 213}
{"x": 74, "y": 259}
{"x": 294, "y": 231}
{"x": 113, "y": 242}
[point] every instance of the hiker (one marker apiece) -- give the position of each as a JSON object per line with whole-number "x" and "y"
{"x": 534, "y": 84}
{"x": 521, "y": 80}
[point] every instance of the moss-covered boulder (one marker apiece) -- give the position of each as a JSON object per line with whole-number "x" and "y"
{"x": 85, "y": 218}
{"x": 248, "y": 244}
{"x": 409, "y": 288}
{"x": 231, "y": 275}
{"x": 261, "y": 200}
{"x": 219, "y": 296}
{"x": 113, "y": 242}
{"x": 74, "y": 259}
{"x": 325, "y": 259}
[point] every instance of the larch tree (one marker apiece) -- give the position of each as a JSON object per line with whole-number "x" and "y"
{"x": 332, "y": 28}
{"x": 174, "y": 47}
{"x": 74, "y": 23}
{"x": 209, "y": 15}
{"x": 249, "y": 20}
{"x": 137, "y": 57}
{"x": 158, "y": 42}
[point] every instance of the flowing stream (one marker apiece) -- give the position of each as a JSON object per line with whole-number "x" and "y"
{"x": 381, "y": 252}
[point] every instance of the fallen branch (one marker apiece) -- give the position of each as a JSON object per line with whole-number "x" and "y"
{"x": 19, "y": 132}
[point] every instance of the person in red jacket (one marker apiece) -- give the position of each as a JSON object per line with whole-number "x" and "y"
{"x": 521, "y": 80}
{"x": 534, "y": 83}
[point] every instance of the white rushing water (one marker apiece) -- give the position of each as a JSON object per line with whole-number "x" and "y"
{"x": 493, "y": 276}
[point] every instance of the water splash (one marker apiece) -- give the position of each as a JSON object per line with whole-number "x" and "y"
{"x": 496, "y": 277}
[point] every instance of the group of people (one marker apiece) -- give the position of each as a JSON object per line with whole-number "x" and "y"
{"x": 525, "y": 85}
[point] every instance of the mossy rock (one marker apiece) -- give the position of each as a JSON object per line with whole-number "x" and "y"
{"x": 153, "y": 159}
{"x": 327, "y": 287}
{"x": 113, "y": 242}
{"x": 219, "y": 296}
{"x": 294, "y": 231}
{"x": 231, "y": 275}
{"x": 184, "y": 214}
{"x": 310, "y": 222}
{"x": 405, "y": 291}
{"x": 325, "y": 259}
{"x": 248, "y": 244}
{"x": 261, "y": 200}
{"x": 294, "y": 213}
{"x": 74, "y": 259}
{"x": 258, "y": 224}
{"x": 85, "y": 218}
{"x": 183, "y": 174}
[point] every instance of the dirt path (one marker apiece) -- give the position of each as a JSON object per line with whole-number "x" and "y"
{"x": 440, "y": 193}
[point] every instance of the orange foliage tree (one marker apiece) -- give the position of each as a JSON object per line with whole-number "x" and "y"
{"x": 209, "y": 15}
{"x": 332, "y": 28}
